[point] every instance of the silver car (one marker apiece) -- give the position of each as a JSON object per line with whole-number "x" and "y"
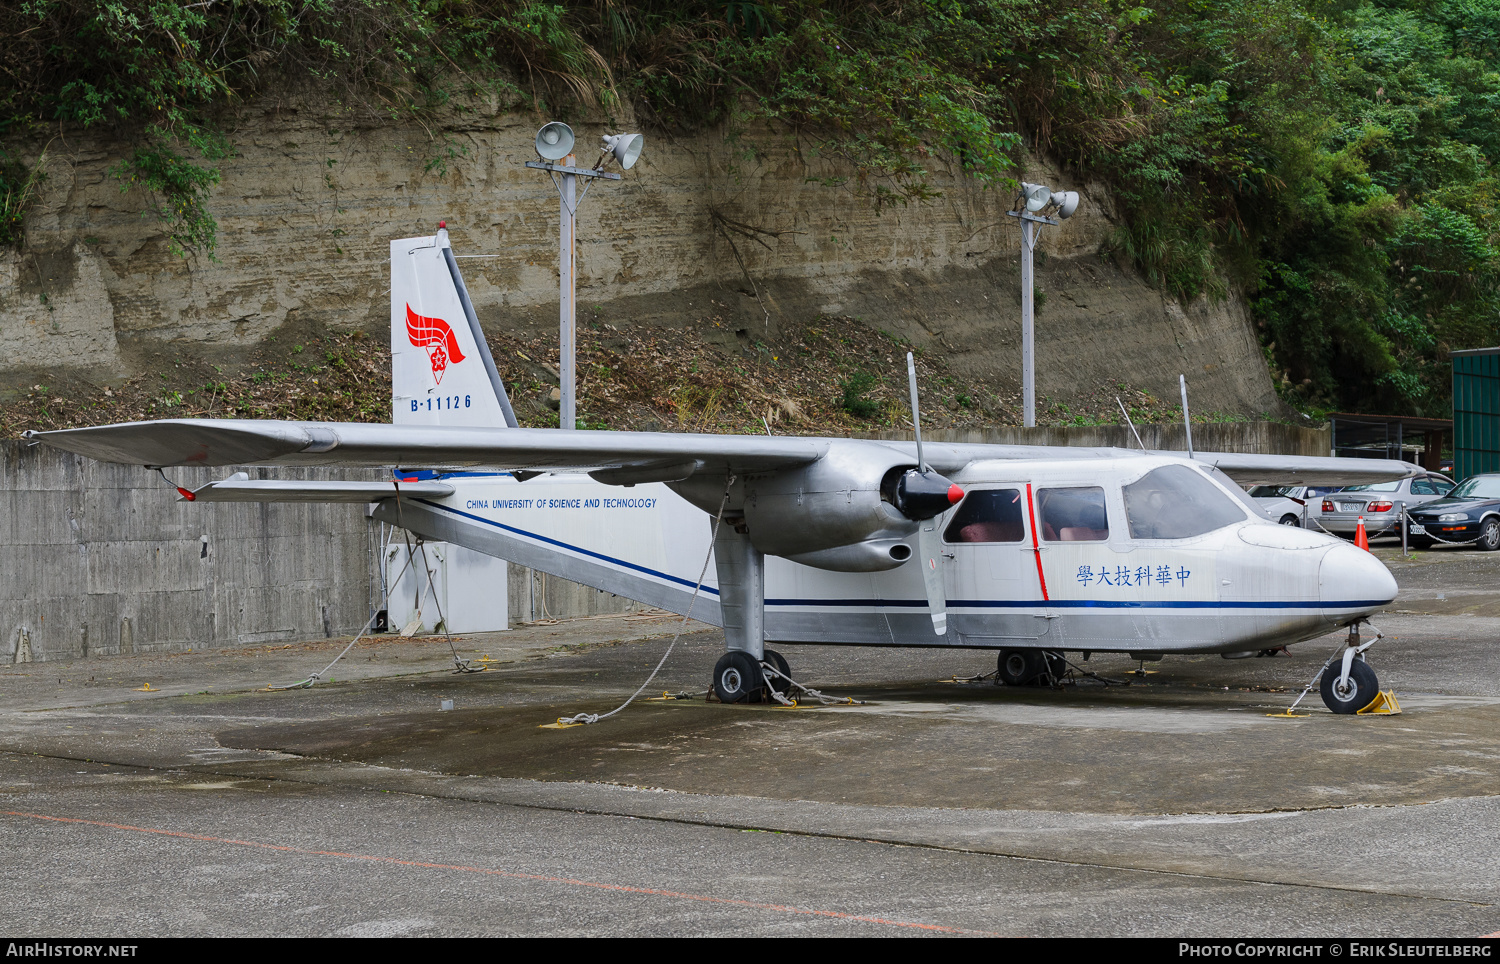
{"x": 1289, "y": 504}
{"x": 1379, "y": 503}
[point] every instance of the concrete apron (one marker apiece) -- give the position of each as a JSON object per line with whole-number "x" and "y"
{"x": 1148, "y": 749}
{"x": 1176, "y": 741}
{"x": 1192, "y": 738}
{"x": 1175, "y": 773}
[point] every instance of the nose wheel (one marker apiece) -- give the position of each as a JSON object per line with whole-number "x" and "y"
{"x": 1349, "y": 684}
{"x": 1351, "y": 694}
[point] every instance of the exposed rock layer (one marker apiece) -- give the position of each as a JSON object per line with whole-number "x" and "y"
{"x": 743, "y": 229}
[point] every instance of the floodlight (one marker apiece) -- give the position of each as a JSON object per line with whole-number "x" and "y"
{"x": 554, "y": 142}
{"x": 1067, "y": 203}
{"x": 1037, "y": 196}
{"x": 625, "y": 147}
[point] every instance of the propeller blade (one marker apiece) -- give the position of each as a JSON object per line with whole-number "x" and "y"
{"x": 929, "y": 551}
{"x": 916, "y": 414}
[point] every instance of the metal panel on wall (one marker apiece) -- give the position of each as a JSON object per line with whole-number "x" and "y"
{"x": 1476, "y": 411}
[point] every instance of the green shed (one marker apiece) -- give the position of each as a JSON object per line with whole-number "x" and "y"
{"x": 1476, "y": 411}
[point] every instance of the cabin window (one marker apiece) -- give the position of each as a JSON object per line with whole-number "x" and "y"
{"x": 1073, "y": 514}
{"x": 988, "y": 515}
{"x": 1174, "y": 502}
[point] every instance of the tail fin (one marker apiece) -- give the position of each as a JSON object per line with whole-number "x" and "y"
{"x": 441, "y": 369}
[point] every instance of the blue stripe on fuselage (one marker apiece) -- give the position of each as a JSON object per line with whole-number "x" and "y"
{"x": 922, "y": 603}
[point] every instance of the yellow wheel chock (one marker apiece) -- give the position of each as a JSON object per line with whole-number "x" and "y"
{"x": 1384, "y": 704}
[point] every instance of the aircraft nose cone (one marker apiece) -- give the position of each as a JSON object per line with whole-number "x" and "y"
{"x": 1352, "y": 582}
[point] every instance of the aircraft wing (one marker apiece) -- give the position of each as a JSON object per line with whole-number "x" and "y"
{"x": 1255, "y": 469}
{"x": 629, "y": 456}
{"x": 614, "y": 457}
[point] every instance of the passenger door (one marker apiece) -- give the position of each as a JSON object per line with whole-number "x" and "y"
{"x": 989, "y": 570}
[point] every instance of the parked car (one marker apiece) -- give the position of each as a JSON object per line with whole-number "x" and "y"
{"x": 1285, "y": 503}
{"x": 1470, "y": 513}
{"x": 1379, "y": 503}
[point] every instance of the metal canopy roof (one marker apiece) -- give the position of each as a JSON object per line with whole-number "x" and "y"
{"x": 1410, "y": 423}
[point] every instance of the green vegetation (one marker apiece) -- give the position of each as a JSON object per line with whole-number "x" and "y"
{"x": 853, "y": 399}
{"x": 1334, "y": 160}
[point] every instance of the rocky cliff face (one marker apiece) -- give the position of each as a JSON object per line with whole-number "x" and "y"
{"x": 744, "y": 229}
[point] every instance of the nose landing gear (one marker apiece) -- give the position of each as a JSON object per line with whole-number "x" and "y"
{"x": 1355, "y": 685}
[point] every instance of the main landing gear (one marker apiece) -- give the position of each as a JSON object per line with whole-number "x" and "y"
{"x": 1030, "y": 667}
{"x": 738, "y": 677}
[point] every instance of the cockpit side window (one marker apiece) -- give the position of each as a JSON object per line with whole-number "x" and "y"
{"x": 988, "y": 515}
{"x": 1074, "y": 514}
{"x": 1256, "y": 509}
{"x": 1175, "y": 502}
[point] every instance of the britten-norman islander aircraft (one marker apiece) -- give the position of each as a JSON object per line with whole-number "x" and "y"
{"x": 1031, "y": 551}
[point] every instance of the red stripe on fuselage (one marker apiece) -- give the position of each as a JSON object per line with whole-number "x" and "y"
{"x": 1035, "y": 549}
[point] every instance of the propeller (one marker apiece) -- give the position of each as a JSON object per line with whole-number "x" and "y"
{"x": 922, "y": 495}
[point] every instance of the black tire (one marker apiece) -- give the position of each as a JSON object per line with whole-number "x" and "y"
{"x": 1025, "y": 667}
{"x": 738, "y": 679}
{"x": 1057, "y": 665}
{"x": 780, "y": 664}
{"x": 1289, "y": 520}
{"x": 1419, "y": 542}
{"x": 1362, "y": 689}
{"x": 1489, "y": 535}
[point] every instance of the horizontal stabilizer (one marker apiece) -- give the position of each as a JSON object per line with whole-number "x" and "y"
{"x": 274, "y": 490}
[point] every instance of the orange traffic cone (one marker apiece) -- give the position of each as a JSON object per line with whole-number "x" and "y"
{"x": 1360, "y": 539}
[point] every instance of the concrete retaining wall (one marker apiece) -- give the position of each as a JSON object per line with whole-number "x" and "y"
{"x": 102, "y": 559}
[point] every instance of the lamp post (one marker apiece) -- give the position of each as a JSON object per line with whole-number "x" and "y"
{"x": 1032, "y": 201}
{"x": 554, "y": 145}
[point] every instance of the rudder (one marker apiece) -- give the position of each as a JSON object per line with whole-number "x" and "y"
{"x": 441, "y": 369}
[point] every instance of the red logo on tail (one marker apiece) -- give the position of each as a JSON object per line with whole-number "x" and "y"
{"x": 436, "y": 336}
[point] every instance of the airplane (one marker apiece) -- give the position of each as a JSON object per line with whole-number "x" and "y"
{"x": 1030, "y": 551}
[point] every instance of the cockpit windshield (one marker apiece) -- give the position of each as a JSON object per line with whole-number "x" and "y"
{"x": 1175, "y": 502}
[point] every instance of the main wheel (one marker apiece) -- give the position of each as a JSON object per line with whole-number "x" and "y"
{"x": 1489, "y": 535}
{"x": 780, "y": 664}
{"x": 737, "y": 677}
{"x": 1356, "y": 694}
{"x": 1024, "y": 667}
{"x": 1289, "y": 520}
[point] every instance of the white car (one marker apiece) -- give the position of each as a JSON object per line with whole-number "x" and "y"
{"x": 1290, "y": 504}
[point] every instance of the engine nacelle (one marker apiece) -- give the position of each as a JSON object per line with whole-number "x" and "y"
{"x": 831, "y": 514}
{"x": 856, "y": 509}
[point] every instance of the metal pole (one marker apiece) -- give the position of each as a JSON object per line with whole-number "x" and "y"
{"x": 567, "y": 416}
{"x": 1028, "y": 325}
